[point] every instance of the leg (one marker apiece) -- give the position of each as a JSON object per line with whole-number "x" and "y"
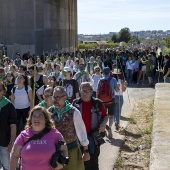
{"x": 127, "y": 76}
{"x": 24, "y": 116}
{"x": 130, "y": 76}
{"x": 93, "y": 163}
{"x": 18, "y": 121}
{"x": 4, "y": 158}
{"x": 116, "y": 108}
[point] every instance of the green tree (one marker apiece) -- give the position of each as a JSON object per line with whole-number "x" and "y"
{"x": 167, "y": 41}
{"x": 124, "y": 35}
{"x": 115, "y": 38}
{"x": 133, "y": 40}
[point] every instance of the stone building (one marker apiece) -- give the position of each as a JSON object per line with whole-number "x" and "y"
{"x": 38, "y": 25}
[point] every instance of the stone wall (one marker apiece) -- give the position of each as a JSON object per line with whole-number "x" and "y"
{"x": 43, "y": 25}
{"x": 160, "y": 151}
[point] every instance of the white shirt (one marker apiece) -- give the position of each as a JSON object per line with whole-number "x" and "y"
{"x": 80, "y": 128}
{"x": 129, "y": 65}
{"x": 96, "y": 79}
{"x": 69, "y": 63}
{"x": 21, "y": 98}
{"x": 40, "y": 91}
{"x": 119, "y": 83}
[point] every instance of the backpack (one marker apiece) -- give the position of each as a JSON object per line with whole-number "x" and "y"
{"x": 105, "y": 91}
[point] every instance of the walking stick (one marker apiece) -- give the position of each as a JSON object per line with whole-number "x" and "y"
{"x": 62, "y": 58}
{"x": 34, "y": 85}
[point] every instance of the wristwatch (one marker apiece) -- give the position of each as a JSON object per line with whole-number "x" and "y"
{"x": 11, "y": 142}
{"x": 86, "y": 150}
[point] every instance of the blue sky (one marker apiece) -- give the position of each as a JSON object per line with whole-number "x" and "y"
{"x": 104, "y": 16}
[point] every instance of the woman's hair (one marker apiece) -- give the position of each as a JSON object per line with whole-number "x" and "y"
{"x": 49, "y": 90}
{"x": 97, "y": 67}
{"x": 26, "y": 82}
{"x": 3, "y": 87}
{"x": 48, "y": 121}
{"x": 12, "y": 75}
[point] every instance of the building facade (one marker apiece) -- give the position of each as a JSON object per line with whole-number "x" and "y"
{"x": 38, "y": 25}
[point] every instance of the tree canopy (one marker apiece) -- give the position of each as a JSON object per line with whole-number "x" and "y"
{"x": 167, "y": 41}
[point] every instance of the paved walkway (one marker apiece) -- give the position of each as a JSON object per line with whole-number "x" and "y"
{"x": 110, "y": 150}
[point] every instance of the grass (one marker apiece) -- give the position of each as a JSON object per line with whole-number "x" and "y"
{"x": 132, "y": 120}
{"x": 147, "y": 130}
{"x": 119, "y": 163}
{"x": 151, "y": 106}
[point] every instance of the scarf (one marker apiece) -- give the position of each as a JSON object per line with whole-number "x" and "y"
{"x": 68, "y": 106}
{"x": 82, "y": 73}
{"x": 4, "y": 102}
{"x": 43, "y": 104}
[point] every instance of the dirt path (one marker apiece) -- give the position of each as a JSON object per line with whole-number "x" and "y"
{"x": 110, "y": 150}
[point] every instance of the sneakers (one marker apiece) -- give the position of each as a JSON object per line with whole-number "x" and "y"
{"x": 117, "y": 126}
{"x": 109, "y": 130}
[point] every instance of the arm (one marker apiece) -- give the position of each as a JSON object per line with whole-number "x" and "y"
{"x": 105, "y": 119}
{"x": 168, "y": 72}
{"x": 16, "y": 153}
{"x": 12, "y": 122}
{"x": 124, "y": 86}
{"x": 12, "y": 98}
{"x": 12, "y": 138}
{"x": 30, "y": 99}
{"x": 45, "y": 80}
{"x": 40, "y": 92}
{"x": 77, "y": 95}
{"x": 81, "y": 133}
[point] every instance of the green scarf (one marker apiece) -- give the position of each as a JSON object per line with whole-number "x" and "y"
{"x": 92, "y": 63}
{"x": 68, "y": 106}
{"x": 4, "y": 102}
{"x": 82, "y": 73}
{"x": 43, "y": 104}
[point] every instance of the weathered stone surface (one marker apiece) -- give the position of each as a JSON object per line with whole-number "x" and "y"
{"x": 160, "y": 152}
{"x": 42, "y": 25}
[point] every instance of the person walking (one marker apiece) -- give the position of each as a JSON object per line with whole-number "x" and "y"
{"x": 8, "y": 121}
{"x": 69, "y": 122}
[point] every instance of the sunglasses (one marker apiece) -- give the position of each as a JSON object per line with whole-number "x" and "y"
{"x": 57, "y": 97}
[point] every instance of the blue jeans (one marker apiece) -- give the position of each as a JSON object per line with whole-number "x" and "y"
{"x": 129, "y": 76}
{"x": 94, "y": 94}
{"x": 167, "y": 80}
{"x": 4, "y": 158}
{"x": 118, "y": 108}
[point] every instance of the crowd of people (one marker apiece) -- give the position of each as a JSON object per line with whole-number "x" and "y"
{"x": 71, "y": 98}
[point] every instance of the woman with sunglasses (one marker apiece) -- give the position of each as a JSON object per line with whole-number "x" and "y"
{"x": 47, "y": 102}
{"x": 96, "y": 77}
{"x": 21, "y": 97}
{"x": 51, "y": 83}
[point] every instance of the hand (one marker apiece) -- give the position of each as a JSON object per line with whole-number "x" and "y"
{"x": 9, "y": 148}
{"x": 102, "y": 127}
{"x": 86, "y": 156}
{"x": 165, "y": 77}
{"x": 59, "y": 166}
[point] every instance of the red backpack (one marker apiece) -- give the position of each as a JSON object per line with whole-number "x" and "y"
{"x": 105, "y": 91}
